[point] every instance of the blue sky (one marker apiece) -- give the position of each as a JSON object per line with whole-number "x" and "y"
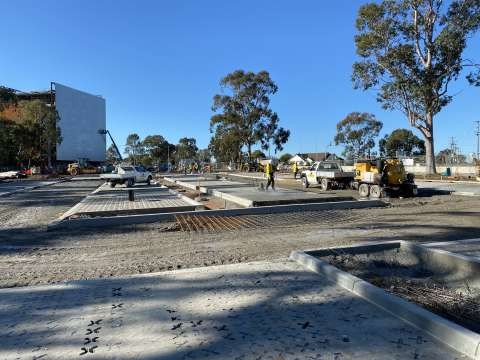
{"x": 158, "y": 63}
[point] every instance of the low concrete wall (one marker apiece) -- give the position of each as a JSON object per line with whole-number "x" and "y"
{"x": 420, "y": 169}
{"x": 456, "y": 170}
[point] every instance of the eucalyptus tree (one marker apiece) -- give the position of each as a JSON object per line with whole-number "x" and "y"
{"x": 410, "y": 52}
{"x": 244, "y": 110}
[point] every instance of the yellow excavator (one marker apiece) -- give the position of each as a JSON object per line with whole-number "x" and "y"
{"x": 383, "y": 177}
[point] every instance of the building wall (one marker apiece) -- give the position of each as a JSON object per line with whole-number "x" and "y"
{"x": 81, "y": 116}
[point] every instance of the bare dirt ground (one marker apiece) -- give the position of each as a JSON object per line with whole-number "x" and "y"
{"x": 29, "y": 254}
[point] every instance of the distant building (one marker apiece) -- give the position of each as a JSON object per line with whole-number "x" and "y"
{"x": 81, "y": 114}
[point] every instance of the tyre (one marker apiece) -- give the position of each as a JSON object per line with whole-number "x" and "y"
{"x": 324, "y": 184}
{"x": 149, "y": 179}
{"x": 305, "y": 183}
{"x": 130, "y": 183}
{"x": 74, "y": 172}
{"x": 112, "y": 184}
{"x": 375, "y": 192}
{"x": 363, "y": 190}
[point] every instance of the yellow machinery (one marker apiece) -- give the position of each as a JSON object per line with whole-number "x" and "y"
{"x": 81, "y": 167}
{"x": 378, "y": 178}
{"x": 252, "y": 167}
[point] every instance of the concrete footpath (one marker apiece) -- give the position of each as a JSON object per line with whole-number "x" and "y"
{"x": 261, "y": 310}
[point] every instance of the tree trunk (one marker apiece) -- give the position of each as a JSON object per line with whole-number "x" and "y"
{"x": 430, "y": 168}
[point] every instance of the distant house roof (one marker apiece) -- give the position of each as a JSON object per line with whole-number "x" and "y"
{"x": 320, "y": 156}
{"x": 296, "y": 158}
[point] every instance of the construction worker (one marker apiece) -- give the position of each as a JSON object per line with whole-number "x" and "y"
{"x": 295, "y": 169}
{"x": 270, "y": 174}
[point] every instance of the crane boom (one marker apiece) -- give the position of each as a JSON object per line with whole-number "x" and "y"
{"x": 105, "y": 132}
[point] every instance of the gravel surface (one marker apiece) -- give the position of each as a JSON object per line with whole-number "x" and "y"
{"x": 399, "y": 272}
{"x": 31, "y": 255}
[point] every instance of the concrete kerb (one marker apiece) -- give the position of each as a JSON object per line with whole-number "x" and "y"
{"x": 449, "y": 333}
{"x": 150, "y": 218}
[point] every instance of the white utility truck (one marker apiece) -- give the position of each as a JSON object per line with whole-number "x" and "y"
{"x": 129, "y": 175}
{"x": 327, "y": 174}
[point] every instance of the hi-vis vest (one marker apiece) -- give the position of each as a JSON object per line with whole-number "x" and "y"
{"x": 268, "y": 169}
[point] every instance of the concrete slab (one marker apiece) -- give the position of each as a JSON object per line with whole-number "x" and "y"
{"x": 207, "y": 186}
{"x": 263, "y": 310}
{"x": 251, "y": 196}
{"x": 148, "y": 200}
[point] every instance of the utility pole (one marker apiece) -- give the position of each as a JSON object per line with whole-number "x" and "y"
{"x": 453, "y": 149}
{"x": 477, "y": 132}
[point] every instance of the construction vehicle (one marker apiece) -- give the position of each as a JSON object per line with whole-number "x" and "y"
{"x": 383, "y": 177}
{"x": 252, "y": 167}
{"x": 82, "y": 166}
{"x": 128, "y": 175}
{"x": 327, "y": 174}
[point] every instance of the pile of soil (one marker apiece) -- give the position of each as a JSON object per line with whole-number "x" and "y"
{"x": 415, "y": 284}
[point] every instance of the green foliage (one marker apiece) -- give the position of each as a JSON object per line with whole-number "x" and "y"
{"x": 450, "y": 157}
{"x": 258, "y": 154}
{"x": 39, "y": 132}
{"x": 246, "y": 114}
{"x": 186, "y": 148}
{"x": 134, "y": 148}
{"x": 285, "y": 157}
{"x": 8, "y": 145}
{"x": 7, "y": 97}
{"x": 411, "y": 50}
{"x": 31, "y": 138}
{"x": 225, "y": 144}
{"x": 401, "y": 141}
{"x": 158, "y": 149}
{"x": 357, "y": 132}
{"x": 111, "y": 155}
{"x": 204, "y": 155}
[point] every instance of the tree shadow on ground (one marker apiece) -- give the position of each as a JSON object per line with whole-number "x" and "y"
{"x": 254, "y": 311}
